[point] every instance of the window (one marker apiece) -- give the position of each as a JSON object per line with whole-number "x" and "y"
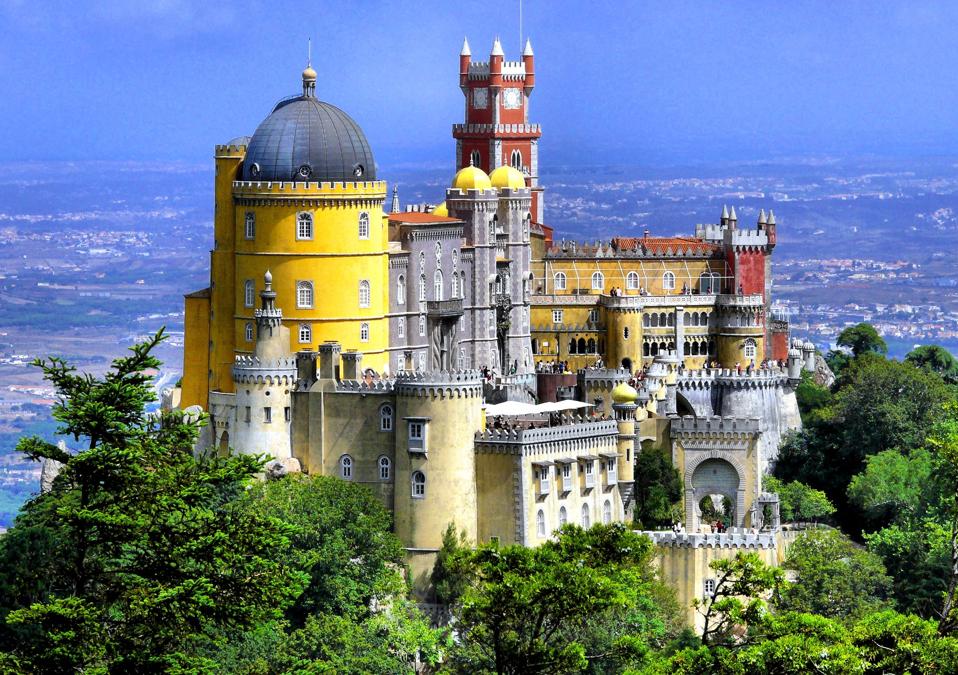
{"x": 474, "y": 158}
{"x": 709, "y": 283}
{"x": 418, "y": 484}
{"x": 563, "y": 516}
{"x": 417, "y": 436}
{"x": 364, "y": 332}
{"x": 544, "y": 482}
{"x": 437, "y": 285}
{"x": 249, "y": 291}
{"x": 401, "y": 327}
{"x": 286, "y": 414}
{"x": 593, "y": 316}
{"x": 607, "y": 512}
{"x": 422, "y": 288}
{"x": 422, "y": 325}
{"x": 567, "y": 477}
{"x": 708, "y": 588}
{"x": 598, "y": 281}
{"x": 560, "y": 280}
{"x": 557, "y": 316}
{"x": 268, "y": 415}
{"x": 541, "y": 523}
{"x": 305, "y": 333}
{"x": 668, "y": 281}
{"x": 249, "y": 332}
{"x": 516, "y": 160}
{"x": 250, "y": 225}
{"x": 401, "y": 290}
{"x": 364, "y": 293}
{"x": 386, "y": 418}
{"x": 632, "y": 281}
{"x": 248, "y": 412}
{"x": 346, "y": 467}
{"x": 590, "y": 474}
{"x": 364, "y": 225}
{"x": 748, "y": 349}
{"x": 385, "y": 468}
{"x": 585, "y": 516}
{"x": 455, "y": 258}
{"x": 462, "y": 358}
{"x": 455, "y": 286}
{"x": 304, "y": 226}
{"x": 304, "y": 294}
{"x": 625, "y": 332}
{"x": 422, "y": 360}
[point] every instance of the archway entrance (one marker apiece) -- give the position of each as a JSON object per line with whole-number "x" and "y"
{"x": 627, "y": 364}
{"x": 714, "y": 495}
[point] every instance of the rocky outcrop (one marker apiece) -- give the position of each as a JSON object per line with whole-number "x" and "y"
{"x": 823, "y": 374}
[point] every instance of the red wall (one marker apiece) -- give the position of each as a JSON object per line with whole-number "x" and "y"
{"x": 779, "y": 351}
{"x": 750, "y": 271}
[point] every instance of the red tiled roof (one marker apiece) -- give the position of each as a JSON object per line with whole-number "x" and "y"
{"x": 663, "y": 244}
{"x": 419, "y": 217}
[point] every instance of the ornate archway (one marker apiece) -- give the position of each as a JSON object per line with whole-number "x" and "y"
{"x": 714, "y": 474}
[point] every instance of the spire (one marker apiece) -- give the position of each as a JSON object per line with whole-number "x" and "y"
{"x": 497, "y": 48}
{"x": 268, "y": 295}
{"x": 771, "y": 217}
{"x": 724, "y": 213}
{"x": 309, "y": 75}
{"x": 465, "y": 51}
{"x": 761, "y": 217}
{"x": 528, "y": 50}
{"x": 732, "y": 216}
{"x": 395, "y": 205}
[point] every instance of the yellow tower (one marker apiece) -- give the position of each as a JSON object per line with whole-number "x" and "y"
{"x": 299, "y": 198}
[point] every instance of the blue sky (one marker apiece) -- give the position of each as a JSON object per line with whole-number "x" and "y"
{"x": 617, "y": 82}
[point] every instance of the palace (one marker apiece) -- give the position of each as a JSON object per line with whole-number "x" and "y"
{"x": 463, "y": 364}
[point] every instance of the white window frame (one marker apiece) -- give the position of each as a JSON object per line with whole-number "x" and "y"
{"x": 598, "y": 281}
{"x": 250, "y": 225}
{"x": 401, "y": 290}
{"x": 541, "y": 523}
{"x": 401, "y": 327}
{"x": 437, "y": 284}
{"x": 611, "y": 471}
{"x": 668, "y": 281}
{"x": 305, "y": 333}
{"x": 563, "y": 516}
{"x": 249, "y": 331}
{"x": 515, "y": 160}
{"x": 559, "y": 281}
{"x": 304, "y": 302}
{"x": 422, "y": 325}
{"x": 364, "y": 225}
{"x": 385, "y": 417}
{"x": 585, "y": 515}
{"x": 632, "y": 281}
{"x": 607, "y": 512}
{"x": 268, "y": 415}
{"x": 749, "y": 349}
{"x": 545, "y": 484}
{"x": 422, "y": 287}
{"x": 589, "y": 473}
{"x": 385, "y": 468}
{"x": 346, "y": 467}
{"x": 417, "y": 435}
{"x": 249, "y": 293}
{"x": 304, "y": 226}
{"x": 418, "y": 485}
{"x": 708, "y": 588}
{"x": 567, "y": 477}
{"x": 364, "y": 293}
{"x": 557, "y": 316}
{"x": 364, "y": 332}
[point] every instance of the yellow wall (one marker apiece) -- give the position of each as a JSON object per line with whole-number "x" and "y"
{"x": 496, "y": 496}
{"x": 196, "y": 352}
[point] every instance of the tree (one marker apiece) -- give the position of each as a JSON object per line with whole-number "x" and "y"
{"x": 861, "y": 339}
{"x": 893, "y": 487}
{"x": 798, "y": 502}
{"x": 449, "y": 578}
{"x": 944, "y": 445}
{"x": 811, "y": 396}
{"x": 658, "y": 488}
{"x": 743, "y": 585}
{"x": 142, "y": 551}
{"x": 936, "y": 359}
{"x": 533, "y": 610}
{"x": 836, "y": 578}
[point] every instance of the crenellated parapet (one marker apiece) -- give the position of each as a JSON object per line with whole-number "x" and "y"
{"x": 707, "y": 378}
{"x": 249, "y": 369}
{"x": 361, "y": 387}
{"x": 439, "y": 384}
{"x": 576, "y": 434}
{"x": 725, "y": 540}
{"x": 701, "y": 427}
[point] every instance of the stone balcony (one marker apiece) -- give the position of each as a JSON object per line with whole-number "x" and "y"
{"x": 444, "y": 309}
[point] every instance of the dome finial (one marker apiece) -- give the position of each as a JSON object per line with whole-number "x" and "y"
{"x": 309, "y": 75}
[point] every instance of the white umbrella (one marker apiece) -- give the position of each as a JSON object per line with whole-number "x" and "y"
{"x": 560, "y": 406}
{"x": 510, "y": 409}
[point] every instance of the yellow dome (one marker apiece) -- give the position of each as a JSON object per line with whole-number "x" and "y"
{"x": 309, "y": 75}
{"x": 471, "y": 178}
{"x": 624, "y": 393}
{"x": 441, "y": 210}
{"x": 507, "y": 177}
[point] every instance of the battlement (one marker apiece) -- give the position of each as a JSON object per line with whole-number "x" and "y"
{"x": 572, "y": 428}
{"x": 674, "y": 247}
{"x": 251, "y": 370}
{"x": 749, "y": 238}
{"x": 472, "y": 194}
{"x": 511, "y": 70}
{"x": 440, "y": 384}
{"x": 691, "y": 426}
{"x": 361, "y": 387}
{"x": 498, "y": 129}
{"x": 370, "y": 188}
{"x": 705, "y": 377}
{"x": 743, "y": 539}
{"x": 229, "y": 150}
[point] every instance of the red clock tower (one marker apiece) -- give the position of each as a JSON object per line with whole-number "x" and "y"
{"x": 497, "y": 130}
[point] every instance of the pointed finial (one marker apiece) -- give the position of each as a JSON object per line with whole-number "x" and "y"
{"x": 731, "y": 215}
{"x": 465, "y": 51}
{"x": 309, "y": 52}
{"x": 309, "y": 75}
{"x": 268, "y": 279}
{"x": 497, "y": 48}
{"x": 724, "y": 212}
{"x": 528, "y": 50}
{"x": 394, "y": 207}
{"x": 771, "y": 217}
{"x": 761, "y": 217}
{"x": 470, "y": 160}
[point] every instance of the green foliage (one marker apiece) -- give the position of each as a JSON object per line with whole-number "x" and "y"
{"x": 836, "y": 578}
{"x": 449, "y": 578}
{"x": 658, "y": 488}
{"x": 798, "y": 502}
{"x": 861, "y": 339}
{"x": 811, "y": 396}
{"x": 936, "y": 359}
{"x": 893, "y": 487}
{"x": 588, "y": 599}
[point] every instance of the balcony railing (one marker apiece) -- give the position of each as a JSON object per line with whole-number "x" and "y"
{"x": 444, "y": 308}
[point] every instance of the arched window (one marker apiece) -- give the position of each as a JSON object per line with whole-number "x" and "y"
{"x": 655, "y": 321}
{"x": 748, "y": 349}
{"x": 304, "y": 294}
{"x": 249, "y": 332}
{"x": 572, "y": 344}
{"x": 437, "y": 285}
{"x": 364, "y": 293}
{"x": 346, "y": 467}
{"x": 304, "y": 226}
{"x": 535, "y": 345}
{"x": 499, "y": 289}
{"x": 625, "y": 333}
{"x": 418, "y": 484}
{"x": 687, "y": 317}
{"x": 668, "y": 281}
{"x": 364, "y": 332}
{"x": 654, "y": 349}
{"x": 250, "y": 225}
{"x": 560, "y": 280}
{"x": 563, "y": 516}
{"x": 541, "y": 523}
{"x": 645, "y": 349}
{"x": 305, "y": 333}
{"x": 516, "y": 160}
{"x": 598, "y": 281}
{"x": 422, "y": 262}
{"x": 422, "y": 325}
{"x": 455, "y": 286}
{"x": 607, "y": 512}
{"x": 249, "y": 293}
{"x": 364, "y": 225}
{"x": 401, "y": 327}
{"x": 386, "y": 418}
{"x": 422, "y": 288}
{"x": 703, "y": 319}
{"x": 663, "y": 319}
{"x": 709, "y": 283}
{"x": 590, "y": 346}
{"x": 385, "y": 468}
{"x": 581, "y": 346}
{"x": 671, "y": 319}
{"x": 401, "y": 290}
{"x": 455, "y": 259}
{"x": 462, "y": 358}
{"x": 474, "y": 158}
{"x": 694, "y": 348}
{"x": 585, "y": 516}
{"x": 632, "y": 281}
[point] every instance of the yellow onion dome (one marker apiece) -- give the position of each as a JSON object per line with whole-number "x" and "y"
{"x": 471, "y": 178}
{"x": 507, "y": 177}
{"x": 309, "y": 75}
{"x": 441, "y": 210}
{"x": 624, "y": 393}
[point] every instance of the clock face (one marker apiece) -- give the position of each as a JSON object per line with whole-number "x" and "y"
{"x": 512, "y": 99}
{"x": 480, "y": 98}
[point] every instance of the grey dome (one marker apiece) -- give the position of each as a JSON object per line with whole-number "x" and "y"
{"x": 307, "y": 139}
